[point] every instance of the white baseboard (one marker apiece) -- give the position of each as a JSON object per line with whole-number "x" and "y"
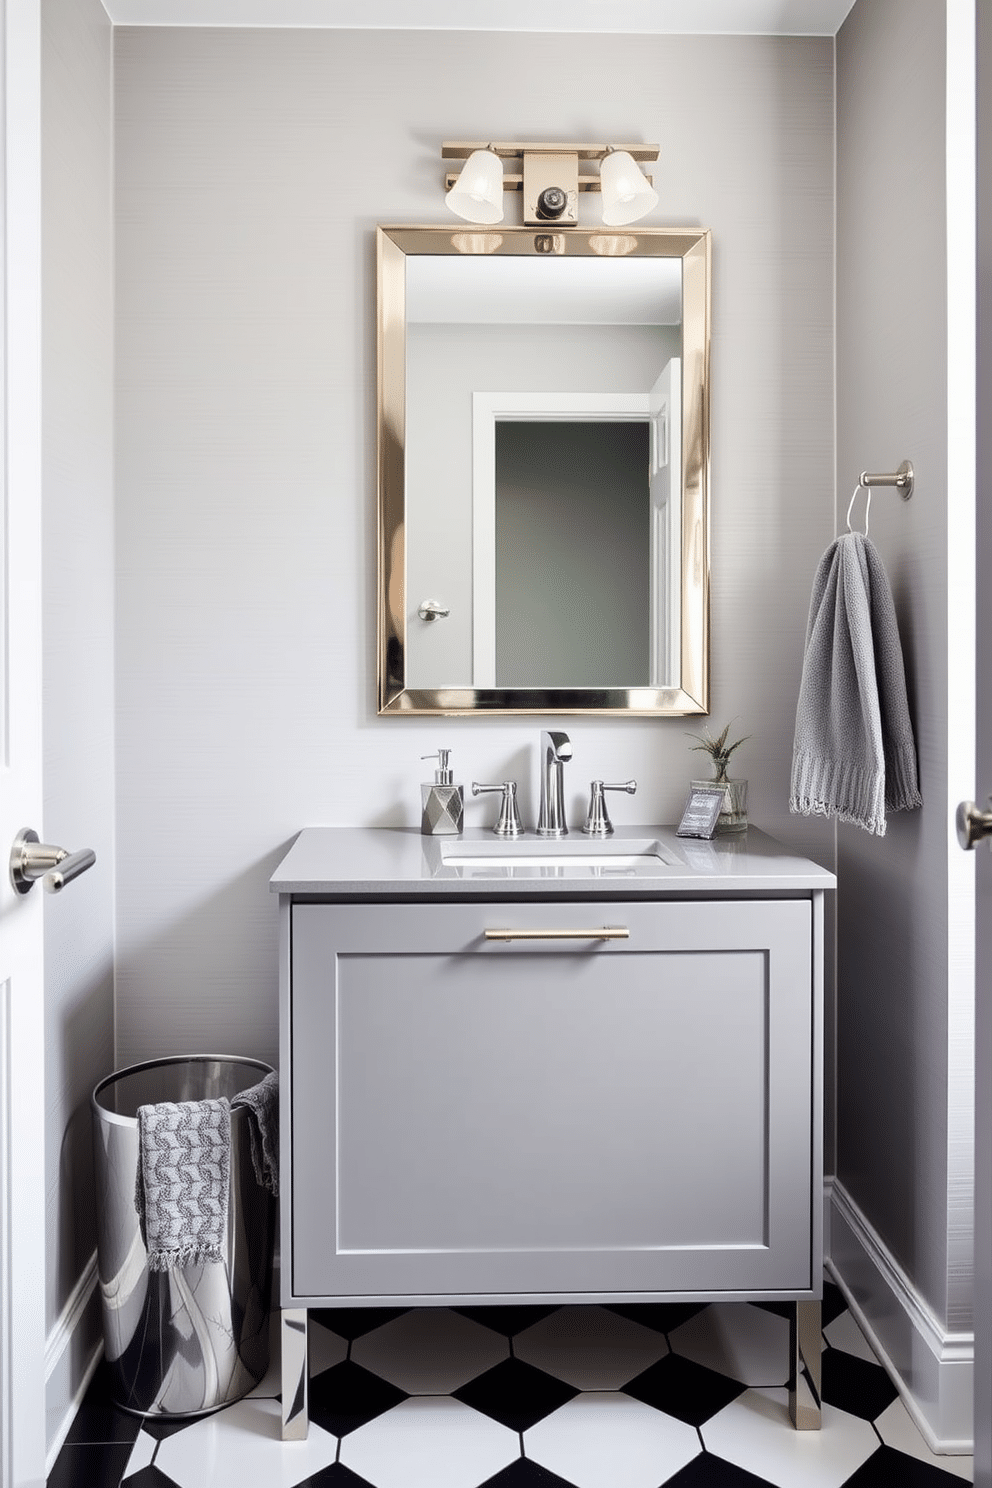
{"x": 72, "y": 1351}
{"x": 932, "y": 1369}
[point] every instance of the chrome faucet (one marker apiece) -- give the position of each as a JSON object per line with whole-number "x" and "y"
{"x": 556, "y": 748}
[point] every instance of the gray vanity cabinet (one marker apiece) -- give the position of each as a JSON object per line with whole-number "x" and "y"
{"x": 561, "y": 1117}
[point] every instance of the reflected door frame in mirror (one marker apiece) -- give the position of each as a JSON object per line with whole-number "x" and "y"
{"x": 690, "y": 693}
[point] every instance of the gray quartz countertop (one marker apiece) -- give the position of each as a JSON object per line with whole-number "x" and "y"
{"x": 636, "y": 862}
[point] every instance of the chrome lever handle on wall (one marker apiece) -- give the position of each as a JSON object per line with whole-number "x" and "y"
{"x": 972, "y": 825}
{"x": 31, "y": 860}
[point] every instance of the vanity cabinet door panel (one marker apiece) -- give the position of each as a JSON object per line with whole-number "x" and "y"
{"x": 555, "y": 1116}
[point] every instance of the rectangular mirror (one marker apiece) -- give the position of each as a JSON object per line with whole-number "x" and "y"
{"x": 543, "y": 446}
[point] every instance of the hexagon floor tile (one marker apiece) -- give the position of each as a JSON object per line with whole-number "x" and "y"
{"x": 430, "y": 1350}
{"x": 897, "y": 1429}
{"x": 745, "y": 1343}
{"x": 684, "y": 1389}
{"x": 844, "y": 1333}
{"x": 515, "y": 1394}
{"x": 755, "y": 1432}
{"x": 347, "y": 1397}
{"x": 591, "y": 1348}
{"x": 602, "y": 1439}
{"x": 430, "y": 1442}
{"x": 243, "y": 1445}
{"x": 630, "y": 1396}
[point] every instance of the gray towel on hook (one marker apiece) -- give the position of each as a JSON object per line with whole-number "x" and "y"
{"x": 854, "y": 755}
{"x": 262, "y": 1103}
{"x": 183, "y": 1181}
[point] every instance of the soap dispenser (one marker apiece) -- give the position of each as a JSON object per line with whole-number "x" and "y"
{"x": 443, "y": 802}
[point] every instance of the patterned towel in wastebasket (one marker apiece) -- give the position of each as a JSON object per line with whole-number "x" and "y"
{"x": 183, "y": 1181}
{"x": 262, "y": 1102}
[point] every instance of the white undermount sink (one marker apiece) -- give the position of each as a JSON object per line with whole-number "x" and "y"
{"x": 566, "y": 854}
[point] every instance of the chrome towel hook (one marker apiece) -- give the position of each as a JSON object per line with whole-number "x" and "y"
{"x": 902, "y": 479}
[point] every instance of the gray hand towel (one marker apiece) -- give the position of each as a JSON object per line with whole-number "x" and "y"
{"x": 262, "y": 1102}
{"x": 854, "y": 755}
{"x": 183, "y": 1181}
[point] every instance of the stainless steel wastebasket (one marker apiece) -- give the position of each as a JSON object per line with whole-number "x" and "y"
{"x": 187, "y": 1341}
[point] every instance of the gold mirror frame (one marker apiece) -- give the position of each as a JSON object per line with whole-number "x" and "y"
{"x": 393, "y": 246}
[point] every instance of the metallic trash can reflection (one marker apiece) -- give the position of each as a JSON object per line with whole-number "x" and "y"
{"x": 182, "y": 1342}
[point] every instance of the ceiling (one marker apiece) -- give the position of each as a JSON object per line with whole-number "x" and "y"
{"x": 640, "y": 17}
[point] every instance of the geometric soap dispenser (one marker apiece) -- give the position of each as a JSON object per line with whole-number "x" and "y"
{"x": 443, "y": 802}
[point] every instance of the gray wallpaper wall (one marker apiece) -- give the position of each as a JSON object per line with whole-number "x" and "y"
{"x": 78, "y": 614}
{"x": 903, "y": 1073}
{"x": 252, "y": 168}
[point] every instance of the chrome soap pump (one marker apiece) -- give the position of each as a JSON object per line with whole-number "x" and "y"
{"x": 443, "y": 801}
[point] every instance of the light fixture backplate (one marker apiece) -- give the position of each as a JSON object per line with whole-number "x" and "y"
{"x": 542, "y": 171}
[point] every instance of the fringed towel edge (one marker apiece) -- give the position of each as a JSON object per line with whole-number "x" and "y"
{"x": 185, "y": 1255}
{"x": 851, "y": 793}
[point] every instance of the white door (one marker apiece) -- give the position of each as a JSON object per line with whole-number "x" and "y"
{"x": 22, "y": 1110}
{"x": 665, "y": 494}
{"x": 983, "y": 956}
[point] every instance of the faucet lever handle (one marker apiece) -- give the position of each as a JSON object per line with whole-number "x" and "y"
{"x": 598, "y": 822}
{"x": 508, "y": 823}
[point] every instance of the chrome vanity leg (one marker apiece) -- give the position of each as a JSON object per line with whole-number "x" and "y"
{"x": 805, "y": 1347}
{"x": 295, "y": 1406}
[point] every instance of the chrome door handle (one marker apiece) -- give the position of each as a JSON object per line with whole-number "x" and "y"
{"x": 31, "y": 860}
{"x": 972, "y": 824}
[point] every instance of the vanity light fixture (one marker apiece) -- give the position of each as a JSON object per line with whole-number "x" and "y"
{"x": 627, "y": 196}
{"x": 477, "y": 194}
{"x": 548, "y": 175}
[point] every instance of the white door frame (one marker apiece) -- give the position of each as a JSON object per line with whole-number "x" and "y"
{"x": 488, "y": 408}
{"x": 665, "y": 481}
{"x": 983, "y": 779}
{"x": 22, "y": 1106}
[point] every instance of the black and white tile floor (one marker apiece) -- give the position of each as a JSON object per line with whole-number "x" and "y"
{"x": 534, "y": 1397}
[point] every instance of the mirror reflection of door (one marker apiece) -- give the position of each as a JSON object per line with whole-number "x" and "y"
{"x": 577, "y": 538}
{"x": 573, "y": 550}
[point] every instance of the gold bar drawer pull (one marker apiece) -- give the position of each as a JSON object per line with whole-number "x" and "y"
{"x": 605, "y": 932}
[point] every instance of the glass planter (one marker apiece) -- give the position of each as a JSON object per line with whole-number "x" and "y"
{"x": 733, "y": 814}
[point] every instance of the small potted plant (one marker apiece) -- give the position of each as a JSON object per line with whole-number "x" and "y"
{"x": 733, "y": 816}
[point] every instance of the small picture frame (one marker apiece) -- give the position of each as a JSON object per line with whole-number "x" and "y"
{"x": 701, "y": 814}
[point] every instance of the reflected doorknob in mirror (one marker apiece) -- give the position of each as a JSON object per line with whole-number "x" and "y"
{"x": 430, "y": 611}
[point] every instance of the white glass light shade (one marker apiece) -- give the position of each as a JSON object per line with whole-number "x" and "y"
{"x": 477, "y": 195}
{"x": 626, "y": 194}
